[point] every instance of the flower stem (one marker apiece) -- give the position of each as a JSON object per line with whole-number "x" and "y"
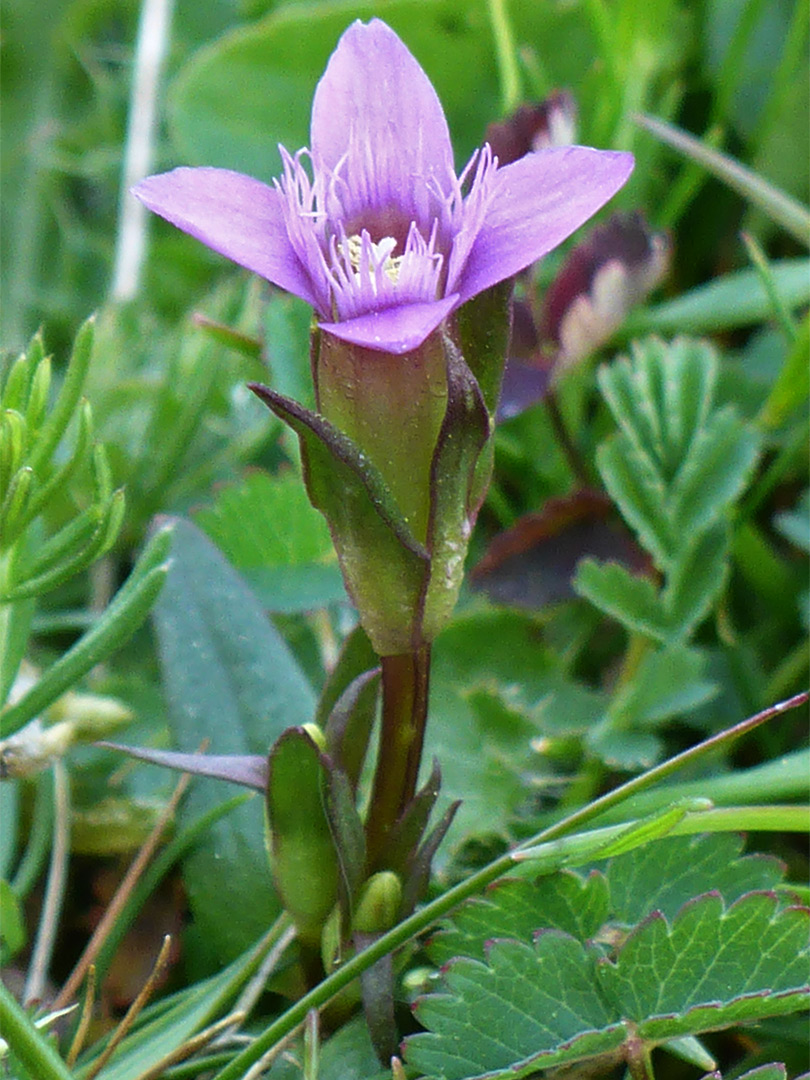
{"x": 405, "y": 679}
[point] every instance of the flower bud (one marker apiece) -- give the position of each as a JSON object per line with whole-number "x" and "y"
{"x": 378, "y": 906}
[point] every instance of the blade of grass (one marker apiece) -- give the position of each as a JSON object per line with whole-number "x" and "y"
{"x": 779, "y": 206}
{"x": 54, "y": 890}
{"x": 27, "y": 1044}
{"x": 780, "y": 311}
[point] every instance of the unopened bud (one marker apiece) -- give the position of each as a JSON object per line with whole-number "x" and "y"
{"x": 378, "y": 905}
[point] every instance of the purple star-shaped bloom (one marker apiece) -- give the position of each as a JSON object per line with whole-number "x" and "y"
{"x": 381, "y": 236}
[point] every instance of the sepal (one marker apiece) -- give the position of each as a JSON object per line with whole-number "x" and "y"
{"x": 383, "y": 564}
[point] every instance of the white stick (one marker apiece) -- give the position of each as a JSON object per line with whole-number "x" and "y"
{"x": 150, "y": 50}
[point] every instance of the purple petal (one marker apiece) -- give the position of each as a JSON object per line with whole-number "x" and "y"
{"x": 395, "y": 330}
{"x": 235, "y": 215}
{"x": 538, "y": 201}
{"x": 375, "y": 108}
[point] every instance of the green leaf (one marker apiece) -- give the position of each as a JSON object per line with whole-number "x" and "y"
{"x": 665, "y": 875}
{"x": 717, "y": 468}
{"x": 115, "y": 627}
{"x": 652, "y": 981}
{"x": 483, "y": 763}
{"x": 774, "y": 1071}
{"x": 696, "y": 580}
{"x": 269, "y": 530}
{"x": 29, "y": 1045}
{"x": 735, "y": 300}
{"x": 615, "y": 591}
{"x": 528, "y": 1007}
{"x": 669, "y": 682}
{"x": 169, "y": 1023}
{"x": 795, "y": 524}
{"x": 790, "y": 391}
{"x": 513, "y": 1008}
{"x": 12, "y": 926}
{"x": 519, "y": 908}
{"x": 347, "y": 1055}
{"x": 231, "y": 679}
{"x": 639, "y": 490}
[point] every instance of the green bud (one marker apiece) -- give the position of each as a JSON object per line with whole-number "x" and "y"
{"x": 378, "y": 905}
{"x": 15, "y": 502}
{"x": 331, "y": 945}
{"x": 38, "y": 396}
{"x": 13, "y": 445}
{"x": 15, "y": 390}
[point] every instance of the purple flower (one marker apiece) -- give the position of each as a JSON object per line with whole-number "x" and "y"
{"x": 379, "y": 235}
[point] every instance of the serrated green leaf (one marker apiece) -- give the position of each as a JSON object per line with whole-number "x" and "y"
{"x": 527, "y": 1007}
{"x": 615, "y": 591}
{"x": 663, "y": 876}
{"x": 514, "y": 1008}
{"x": 229, "y": 678}
{"x": 773, "y": 1071}
{"x": 518, "y": 909}
{"x": 700, "y": 972}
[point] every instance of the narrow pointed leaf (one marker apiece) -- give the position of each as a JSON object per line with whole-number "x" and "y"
{"x": 348, "y": 728}
{"x": 406, "y": 834}
{"x": 457, "y": 488}
{"x": 249, "y": 770}
{"x": 379, "y": 555}
{"x": 230, "y": 678}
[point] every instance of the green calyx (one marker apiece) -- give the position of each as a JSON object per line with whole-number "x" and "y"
{"x": 398, "y": 459}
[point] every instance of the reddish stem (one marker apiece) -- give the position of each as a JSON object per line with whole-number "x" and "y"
{"x": 405, "y": 681}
